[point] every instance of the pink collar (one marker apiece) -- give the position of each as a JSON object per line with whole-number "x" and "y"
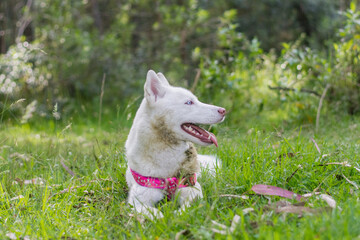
{"x": 170, "y": 185}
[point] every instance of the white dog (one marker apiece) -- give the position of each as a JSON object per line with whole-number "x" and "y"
{"x": 162, "y": 161}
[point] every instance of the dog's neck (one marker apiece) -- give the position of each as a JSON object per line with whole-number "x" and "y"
{"x": 152, "y": 149}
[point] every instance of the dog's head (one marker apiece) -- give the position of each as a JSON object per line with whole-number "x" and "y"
{"x": 177, "y": 111}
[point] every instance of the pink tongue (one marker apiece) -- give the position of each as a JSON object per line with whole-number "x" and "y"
{"x": 213, "y": 139}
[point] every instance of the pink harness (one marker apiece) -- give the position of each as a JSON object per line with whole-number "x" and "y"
{"x": 170, "y": 185}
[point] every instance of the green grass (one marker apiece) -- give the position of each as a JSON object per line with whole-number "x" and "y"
{"x": 96, "y": 207}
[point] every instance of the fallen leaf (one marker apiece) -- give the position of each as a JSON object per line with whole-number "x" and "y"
{"x": 254, "y": 224}
{"x": 294, "y": 209}
{"x": 307, "y": 195}
{"x": 223, "y": 229}
{"x": 140, "y": 218}
{"x": 234, "y": 222}
{"x": 247, "y": 210}
{"x": 186, "y": 233}
{"x": 275, "y": 191}
{"x": 282, "y": 203}
{"x": 35, "y": 181}
{"x": 11, "y": 235}
{"x": 20, "y": 156}
{"x": 329, "y": 200}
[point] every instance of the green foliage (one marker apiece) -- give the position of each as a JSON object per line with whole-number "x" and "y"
{"x": 123, "y": 49}
{"x": 245, "y": 79}
{"x": 346, "y": 62}
{"x": 339, "y": 67}
{"x": 21, "y": 77}
{"x": 77, "y": 44}
{"x": 274, "y": 22}
{"x": 230, "y": 73}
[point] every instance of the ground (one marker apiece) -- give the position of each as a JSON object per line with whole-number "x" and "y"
{"x": 67, "y": 182}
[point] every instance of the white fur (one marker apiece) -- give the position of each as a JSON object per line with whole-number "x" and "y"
{"x": 156, "y": 144}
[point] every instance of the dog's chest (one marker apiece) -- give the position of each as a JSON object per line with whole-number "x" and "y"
{"x": 190, "y": 164}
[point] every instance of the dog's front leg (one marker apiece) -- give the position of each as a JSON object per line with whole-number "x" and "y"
{"x": 144, "y": 199}
{"x": 188, "y": 195}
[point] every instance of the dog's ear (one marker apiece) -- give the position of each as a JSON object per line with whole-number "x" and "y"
{"x": 163, "y": 79}
{"x": 153, "y": 88}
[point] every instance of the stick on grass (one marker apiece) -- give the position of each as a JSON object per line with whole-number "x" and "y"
{"x": 101, "y": 97}
{"x": 320, "y": 105}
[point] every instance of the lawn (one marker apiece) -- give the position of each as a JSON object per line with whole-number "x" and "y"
{"x": 67, "y": 182}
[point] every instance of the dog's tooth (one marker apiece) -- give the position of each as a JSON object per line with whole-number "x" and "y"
{"x": 209, "y": 137}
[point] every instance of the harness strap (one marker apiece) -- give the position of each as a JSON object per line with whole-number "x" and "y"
{"x": 170, "y": 185}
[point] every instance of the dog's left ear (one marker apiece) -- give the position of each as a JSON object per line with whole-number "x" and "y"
{"x": 153, "y": 88}
{"x": 163, "y": 79}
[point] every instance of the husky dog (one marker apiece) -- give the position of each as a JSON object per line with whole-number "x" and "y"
{"x": 162, "y": 160}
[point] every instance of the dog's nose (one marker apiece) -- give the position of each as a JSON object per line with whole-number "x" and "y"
{"x": 222, "y": 111}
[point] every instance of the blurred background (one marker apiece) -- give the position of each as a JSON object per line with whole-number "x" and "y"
{"x": 263, "y": 60}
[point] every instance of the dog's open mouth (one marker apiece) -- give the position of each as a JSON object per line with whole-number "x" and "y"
{"x": 199, "y": 133}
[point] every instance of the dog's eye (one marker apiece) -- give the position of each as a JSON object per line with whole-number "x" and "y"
{"x": 189, "y": 102}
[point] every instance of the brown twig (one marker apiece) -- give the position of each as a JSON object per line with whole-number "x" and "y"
{"x": 345, "y": 164}
{"x": 69, "y": 189}
{"x": 235, "y": 196}
{"x": 351, "y": 182}
{"x": 293, "y": 89}
{"x": 196, "y": 80}
{"x": 101, "y": 97}
{"x": 288, "y": 179}
{"x": 317, "y": 147}
{"x": 25, "y": 20}
{"x": 318, "y": 187}
{"x": 320, "y": 105}
{"x": 67, "y": 169}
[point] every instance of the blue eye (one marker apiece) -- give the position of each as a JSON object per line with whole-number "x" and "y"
{"x": 189, "y": 102}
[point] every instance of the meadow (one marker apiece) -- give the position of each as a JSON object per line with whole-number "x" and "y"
{"x": 288, "y": 73}
{"x": 66, "y": 181}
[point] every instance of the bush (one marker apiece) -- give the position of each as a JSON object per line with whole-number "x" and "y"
{"x": 20, "y": 79}
{"x": 241, "y": 77}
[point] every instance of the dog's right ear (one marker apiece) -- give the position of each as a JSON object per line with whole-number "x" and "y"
{"x": 153, "y": 88}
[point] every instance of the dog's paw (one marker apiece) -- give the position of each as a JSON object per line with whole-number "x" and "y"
{"x": 148, "y": 213}
{"x": 156, "y": 214}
